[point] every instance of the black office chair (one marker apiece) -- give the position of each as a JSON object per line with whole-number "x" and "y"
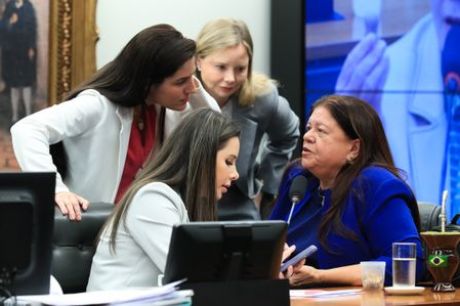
{"x": 429, "y": 215}
{"x": 74, "y": 244}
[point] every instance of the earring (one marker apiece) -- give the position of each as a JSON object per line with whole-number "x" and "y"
{"x": 350, "y": 160}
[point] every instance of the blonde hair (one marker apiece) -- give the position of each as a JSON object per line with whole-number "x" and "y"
{"x": 227, "y": 32}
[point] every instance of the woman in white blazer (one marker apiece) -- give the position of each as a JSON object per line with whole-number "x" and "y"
{"x": 270, "y": 129}
{"x": 194, "y": 168}
{"x": 110, "y": 124}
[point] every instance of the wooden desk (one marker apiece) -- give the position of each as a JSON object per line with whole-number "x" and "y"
{"x": 335, "y": 38}
{"x": 380, "y": 298}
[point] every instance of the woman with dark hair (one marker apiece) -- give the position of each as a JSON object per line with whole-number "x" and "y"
{"x": 356, "y": 203}
{"x": 182, "y": 183}
{"x": 115, "y": 120}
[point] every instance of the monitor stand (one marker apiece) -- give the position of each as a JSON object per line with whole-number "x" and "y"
{"x": 240, "y": 292}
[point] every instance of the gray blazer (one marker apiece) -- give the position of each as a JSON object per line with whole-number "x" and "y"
{"x": 272, "y": 116}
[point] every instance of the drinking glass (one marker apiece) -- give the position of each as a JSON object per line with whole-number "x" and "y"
{"x": 404, "y": 262}
{"x": 373, "y": 274}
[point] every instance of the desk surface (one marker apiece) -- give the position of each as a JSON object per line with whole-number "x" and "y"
{"x": 380, "y": 298}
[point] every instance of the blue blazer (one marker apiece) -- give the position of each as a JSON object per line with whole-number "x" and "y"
{"x": 376, "y": 211}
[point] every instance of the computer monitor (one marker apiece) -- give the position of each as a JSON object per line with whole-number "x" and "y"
{"x": 26, "y": 229}
{"x": 218, "y": 251}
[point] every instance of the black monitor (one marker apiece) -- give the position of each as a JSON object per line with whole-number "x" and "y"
{"x": 26, "y": 228}
{"x": 221, "y": 251}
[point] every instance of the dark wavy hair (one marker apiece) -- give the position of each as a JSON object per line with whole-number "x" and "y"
{"x": 152, "y": 55}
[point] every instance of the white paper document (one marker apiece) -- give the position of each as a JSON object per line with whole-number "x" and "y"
{"x": 319, "y": 293}
{"x": 162, "y": 295}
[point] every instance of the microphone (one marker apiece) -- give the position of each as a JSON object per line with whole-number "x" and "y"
{"x": 297, "y": 192}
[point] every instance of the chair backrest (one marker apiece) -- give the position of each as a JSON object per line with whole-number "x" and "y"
{"x": 74, "y": 244}
{"x": 429, "y": 215}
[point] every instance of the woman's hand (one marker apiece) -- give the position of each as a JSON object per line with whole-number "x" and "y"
{"x": 287, "y": 251}
{"x": 71, "y": 204}
{"x": 303, "y": 275}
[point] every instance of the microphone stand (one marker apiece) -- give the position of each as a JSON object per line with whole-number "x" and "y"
{"x": 295, "y": 200}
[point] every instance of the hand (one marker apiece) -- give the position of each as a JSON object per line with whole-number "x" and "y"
{"x": 287, "y": 251}
{"x": 365, "y": 70}
{"x": 71, "y": 204}
{"x": 13, "y": 18}
{"x": 303, "y": 275}
{"x": 31, "y": 53}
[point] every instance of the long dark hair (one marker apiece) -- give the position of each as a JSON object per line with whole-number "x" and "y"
{"x": 187, "y": 163}
{"x": 359, "y": 121}
{"x": 152, "y": 55}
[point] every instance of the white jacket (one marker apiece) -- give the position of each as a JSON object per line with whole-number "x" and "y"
{"x": 413, "y": 109}
{"x": 142, "y": 242}
{"x": 95, "y": 133}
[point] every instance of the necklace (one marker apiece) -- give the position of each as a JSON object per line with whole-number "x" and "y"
{"x": 139, "y": 113}
{"x": 140, "y": 123}
{"x": 322, "y": 196}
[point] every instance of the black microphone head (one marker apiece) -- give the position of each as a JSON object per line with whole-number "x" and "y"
{"x": 298, "y": 188}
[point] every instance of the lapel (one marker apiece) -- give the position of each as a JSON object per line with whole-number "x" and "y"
{"x": 427, "y": 122}
{"x": 247, "y": 139}
{"x": 125, "y": 116}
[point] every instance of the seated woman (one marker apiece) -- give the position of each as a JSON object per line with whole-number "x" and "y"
{"x": 356, "y": 203}
{"x": 194, "y": 168}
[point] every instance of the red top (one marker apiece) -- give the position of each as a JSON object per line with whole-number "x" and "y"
{"x": 141, "y": 142}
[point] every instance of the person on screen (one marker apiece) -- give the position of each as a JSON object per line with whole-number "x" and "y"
{"x": 411, "y": 104}
{"x": 110, "y": 124}
{"x": 19, "y": 53}
{"x": 194, "y": 168}
{"x": 354, "y": 193}
{"x": 224, "y": 65}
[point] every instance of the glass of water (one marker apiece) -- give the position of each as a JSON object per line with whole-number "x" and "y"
{"x": 404, "y": 261}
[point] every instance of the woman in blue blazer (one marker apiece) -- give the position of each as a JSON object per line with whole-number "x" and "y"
{"x": 356, "y": 204}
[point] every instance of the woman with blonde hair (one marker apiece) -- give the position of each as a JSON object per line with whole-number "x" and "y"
{"x": 224, "y": 65}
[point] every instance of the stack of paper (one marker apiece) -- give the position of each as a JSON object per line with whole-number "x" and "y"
{"x": 318, "y": 293}
{"x": 165, "y": 295}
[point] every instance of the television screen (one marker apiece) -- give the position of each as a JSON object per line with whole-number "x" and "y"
{"x": 26, "y": 227}
{"x": 218, "y": 251}
{"x": 402, "y": 57}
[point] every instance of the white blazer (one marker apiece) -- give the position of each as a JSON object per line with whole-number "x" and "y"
{"x": 95, "y": 133}
{"x": 142, "y": 241}
{"x": 415, "y": 123}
